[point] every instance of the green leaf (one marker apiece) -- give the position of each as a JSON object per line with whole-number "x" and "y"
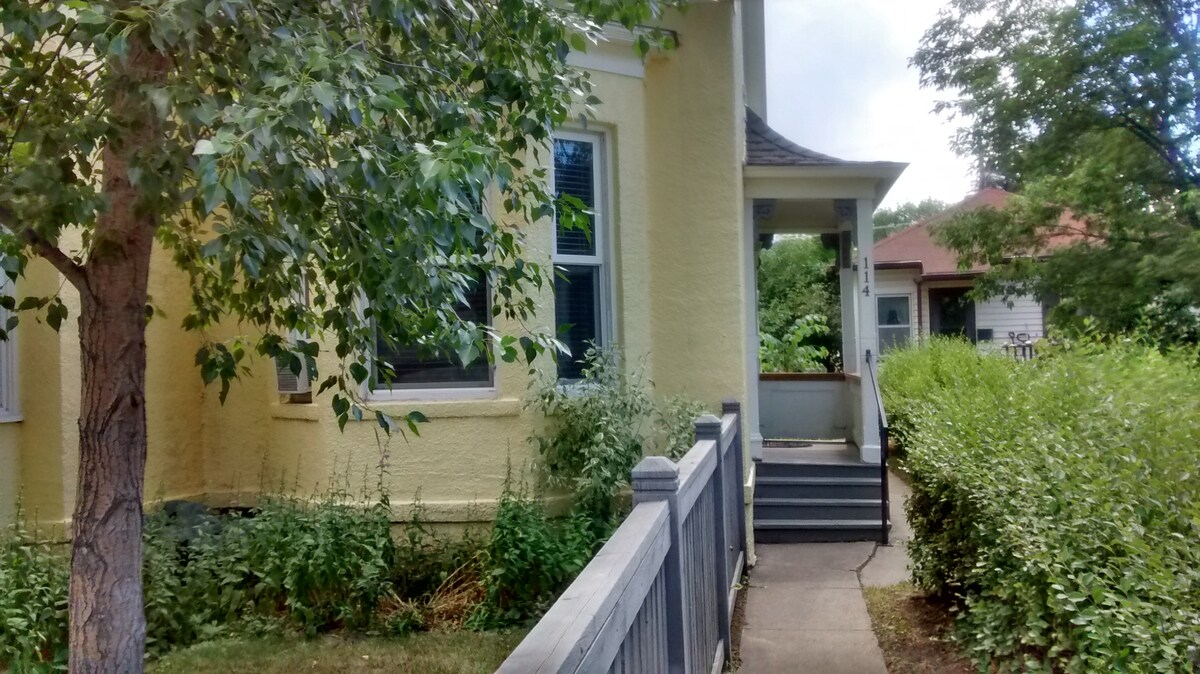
{"x": 325, "y": 94}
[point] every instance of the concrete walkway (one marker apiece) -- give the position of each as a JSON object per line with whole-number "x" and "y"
{"x": 804, "y": 607}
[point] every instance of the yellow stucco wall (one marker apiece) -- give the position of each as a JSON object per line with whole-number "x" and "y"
{"x": 675, "y": 152}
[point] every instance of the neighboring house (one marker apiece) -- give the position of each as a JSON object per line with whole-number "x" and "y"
{"x": 682, "y": 180}
{"x": 920, "y": 290}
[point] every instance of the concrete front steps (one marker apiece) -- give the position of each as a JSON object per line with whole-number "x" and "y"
{"x": 811, "y": 497}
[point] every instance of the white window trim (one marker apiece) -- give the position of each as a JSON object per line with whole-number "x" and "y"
{"x": 602, "y": 234}
{"x": 879, "y": 326}
{"x": 10, "y": 387}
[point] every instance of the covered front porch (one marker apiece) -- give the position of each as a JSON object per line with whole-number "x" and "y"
{"x": 814, "y": 437}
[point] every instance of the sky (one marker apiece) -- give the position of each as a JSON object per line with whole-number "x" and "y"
{"x": 838, "y": 82}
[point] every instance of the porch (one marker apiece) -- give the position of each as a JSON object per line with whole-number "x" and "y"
{"x": 814, "y": 438}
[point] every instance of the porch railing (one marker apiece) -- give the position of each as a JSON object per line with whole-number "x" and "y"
{"x": 659, "y": 595}
{"x": 873, "y": 375}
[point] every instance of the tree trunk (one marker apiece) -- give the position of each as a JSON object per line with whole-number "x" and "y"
{"x": 107, "y": 618}
{"x": 107, "y": 622}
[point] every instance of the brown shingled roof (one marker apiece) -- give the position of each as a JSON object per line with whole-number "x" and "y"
{"x": 767, "y": 147}
{"x": 914, "y": 247}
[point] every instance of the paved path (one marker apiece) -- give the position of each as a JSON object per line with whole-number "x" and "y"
{"x": 805, "y": 610}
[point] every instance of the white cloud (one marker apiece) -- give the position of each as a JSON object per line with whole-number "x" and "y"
{"x": 838, "y": 82}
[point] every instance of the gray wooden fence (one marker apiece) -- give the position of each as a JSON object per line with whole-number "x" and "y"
{"x": 659, "y": 594}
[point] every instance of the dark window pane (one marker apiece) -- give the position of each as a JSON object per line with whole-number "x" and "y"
{"x": 416, "y": 368}
{"x": 893, "y": 311}
{"x": 576, "y": 306}
{"x": 574, "y": 175}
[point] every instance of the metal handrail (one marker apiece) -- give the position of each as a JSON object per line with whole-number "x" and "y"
{"x": 873, "y": 373}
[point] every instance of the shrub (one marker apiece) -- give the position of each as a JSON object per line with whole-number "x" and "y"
{"x": 595, "y": 431}
{"x": 909, "y": 376}
{"x": 33, "y": 603}
{"x": 1059, "y": 501}
{"x": 531, "y": 558}
{"x": 599, "y": 428}
{"x": 676, "y": 423}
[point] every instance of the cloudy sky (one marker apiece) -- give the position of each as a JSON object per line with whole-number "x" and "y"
{"x": 838, "y": 82}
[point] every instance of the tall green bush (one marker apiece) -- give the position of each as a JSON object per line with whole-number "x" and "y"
{"x": 1058, "y": 501}
{"x": 598, "y": 428}
{"x": 531, "y": 558}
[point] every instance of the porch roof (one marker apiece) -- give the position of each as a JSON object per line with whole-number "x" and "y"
{"x": 767, "y": 147}
{"x": 777, "y": 168}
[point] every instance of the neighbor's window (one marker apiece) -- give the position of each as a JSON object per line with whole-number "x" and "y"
{"x": 581, "y": 297}
{"x": 9, "y": 410}
{"x": 895, "y": 321}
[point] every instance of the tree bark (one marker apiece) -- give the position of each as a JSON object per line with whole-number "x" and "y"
{"x": 106, "y": 611}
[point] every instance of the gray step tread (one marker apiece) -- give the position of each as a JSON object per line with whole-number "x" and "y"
{"x": 847, "y": 464}
{"x": 816, "y": 524}
{"x": 781, "y": 501}
{"x": 850, "y": 481}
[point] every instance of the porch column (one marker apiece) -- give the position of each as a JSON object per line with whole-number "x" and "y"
{"x": 750, "y": 259}
{"x": 868, "y": 336}
{"x": 845, "y": 209}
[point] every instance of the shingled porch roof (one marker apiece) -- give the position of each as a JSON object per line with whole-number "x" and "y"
{"x": 767, "y": 147}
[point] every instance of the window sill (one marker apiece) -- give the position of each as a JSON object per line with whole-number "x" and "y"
{"x": 10, "y": 418}
{"x": 432, "y": 409}
{"x": 432, "y": 394}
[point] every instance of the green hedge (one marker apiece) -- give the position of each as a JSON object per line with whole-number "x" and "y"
{"x": 1058, "y": 501}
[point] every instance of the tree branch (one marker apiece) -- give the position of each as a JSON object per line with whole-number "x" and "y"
{"x": 73, "y": 271}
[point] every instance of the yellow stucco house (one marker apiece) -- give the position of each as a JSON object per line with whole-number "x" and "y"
{"x": 683, "y": 174}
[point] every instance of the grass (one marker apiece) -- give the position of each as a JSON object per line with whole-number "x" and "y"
{"x": 912, "y": 631}
{"x": 460, "y": 652}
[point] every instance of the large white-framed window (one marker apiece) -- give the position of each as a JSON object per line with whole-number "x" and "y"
{"x": 582, "y": 259}
{"x": 894, "y": 321}
{"x": 10, "y": 409}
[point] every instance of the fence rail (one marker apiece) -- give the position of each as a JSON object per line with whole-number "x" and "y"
{"x": 659, "y": 595}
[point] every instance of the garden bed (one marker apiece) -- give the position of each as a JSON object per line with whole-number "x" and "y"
{"x": 914, "y": 632}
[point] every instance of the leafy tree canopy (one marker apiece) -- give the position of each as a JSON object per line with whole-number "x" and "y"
{"x": 344, "y": 145}
{"x": 1088, "y": 108}
{"x": 888, "y": 221}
